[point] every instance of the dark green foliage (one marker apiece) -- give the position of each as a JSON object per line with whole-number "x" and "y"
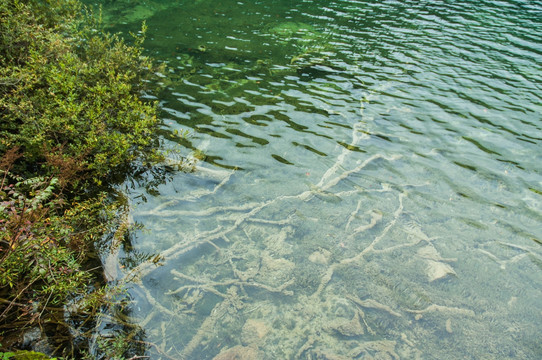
{"x": 43, "y": 242}
{"x": 70, "y": 120}
{"x": 66, "y": 91}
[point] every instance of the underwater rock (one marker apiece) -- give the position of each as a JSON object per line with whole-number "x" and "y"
{"x": 348, "y": 328}
{"x": 133, "y": 12}
{"x": 312, "y": 45}
{"x": 239, "y": 353}
{"x": 436, "y": 270}
{"x": 37, "y": 340}
{"x": 320, "y": 257}
{"x": 253, "y": 331}
{"x": 286, "y": 30}
{"x": 275, "y": 271}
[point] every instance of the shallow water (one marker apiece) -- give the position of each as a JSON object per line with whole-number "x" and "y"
{"x": 367, "y": 180}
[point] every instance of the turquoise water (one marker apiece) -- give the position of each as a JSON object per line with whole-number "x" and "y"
{"x": 366, "y": 180}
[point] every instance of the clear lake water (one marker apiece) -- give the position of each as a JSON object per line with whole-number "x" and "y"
{"x": 362, "y": 180}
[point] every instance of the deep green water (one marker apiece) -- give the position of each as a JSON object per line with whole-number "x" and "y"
{"x": 367, "y": 180}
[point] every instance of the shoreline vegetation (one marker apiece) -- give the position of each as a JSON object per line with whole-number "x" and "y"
{"x": 72, "y": 125}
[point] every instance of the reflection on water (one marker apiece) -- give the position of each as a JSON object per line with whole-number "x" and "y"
{"x": 368, "y": 181}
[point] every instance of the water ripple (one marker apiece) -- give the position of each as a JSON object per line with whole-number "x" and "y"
{"x": 426, "y": 115}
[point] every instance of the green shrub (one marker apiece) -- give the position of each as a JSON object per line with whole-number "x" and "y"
{"x": 43, "y": 243}
{"x": 69, "y": 91}
{"x": 71, "y": 119}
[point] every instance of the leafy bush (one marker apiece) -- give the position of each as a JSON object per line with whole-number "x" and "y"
{"x": 65, "y": 90}
{"x": 70, "y": 120}
{"x": 43, "y": 243}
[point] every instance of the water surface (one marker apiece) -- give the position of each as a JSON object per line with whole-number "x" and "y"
{"x": 367, "y": 180}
